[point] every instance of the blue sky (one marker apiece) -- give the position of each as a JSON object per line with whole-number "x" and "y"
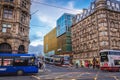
{"x": 44, "y": 20}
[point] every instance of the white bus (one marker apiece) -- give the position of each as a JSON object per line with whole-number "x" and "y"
{"x": 110, "y": 60}
{"x": 49, "y": 60}
{"x": 61, "y": 60}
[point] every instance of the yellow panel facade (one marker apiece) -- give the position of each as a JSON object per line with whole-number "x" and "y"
{"x": 50, "y": 41}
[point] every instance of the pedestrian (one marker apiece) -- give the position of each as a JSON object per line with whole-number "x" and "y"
{"x": 93, "y": 65}
{"x": 43, "y": 66}
{"x": 40, "y": 65}
{"x": 94, "y": 62}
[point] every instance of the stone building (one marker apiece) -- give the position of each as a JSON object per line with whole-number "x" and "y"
{"x": 97, "y": 28}
{"x": 14, "y": 26}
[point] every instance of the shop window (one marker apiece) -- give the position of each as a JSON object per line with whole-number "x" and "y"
{"x": 8, "y": 13}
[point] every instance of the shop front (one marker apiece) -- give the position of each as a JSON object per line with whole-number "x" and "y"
{"x": 88, "y": 62}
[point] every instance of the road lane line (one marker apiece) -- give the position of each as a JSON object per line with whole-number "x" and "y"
{"x": 36, "y": 77}
{"x": 115, "y": 77}
{"x": 96, "y": 76}
{"x": 62, "y": 75}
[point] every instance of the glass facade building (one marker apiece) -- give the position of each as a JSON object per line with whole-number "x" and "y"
{"x": 63, "y": 23}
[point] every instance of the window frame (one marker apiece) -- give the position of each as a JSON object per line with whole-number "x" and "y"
{"x": 8, "y": 13}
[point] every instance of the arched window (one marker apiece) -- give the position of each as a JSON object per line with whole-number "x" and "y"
{"x": 21, "y": 49}
{"x": 5, "y": 48}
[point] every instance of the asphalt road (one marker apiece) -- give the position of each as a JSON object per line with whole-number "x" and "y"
{"x": 67, "y": 73}
{"x": 71, "y": 73}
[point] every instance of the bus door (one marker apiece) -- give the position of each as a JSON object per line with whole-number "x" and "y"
{"x": 104, "y": 59}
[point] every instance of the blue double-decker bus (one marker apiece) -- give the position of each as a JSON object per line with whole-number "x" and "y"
{"x": 18, "y": 64}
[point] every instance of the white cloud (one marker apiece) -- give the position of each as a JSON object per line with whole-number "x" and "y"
{"x": 48, "y": 15}
{"x": 39, "y": 34}
{"x": 36, "y": 42}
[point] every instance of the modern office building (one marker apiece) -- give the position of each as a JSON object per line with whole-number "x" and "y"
{"x": 14, "y": 26}
{"x": 50, "y": 43}
{"x": 64, "y": 23}
{"x": 63, "y": 33}
{"x": 97, "y": 28}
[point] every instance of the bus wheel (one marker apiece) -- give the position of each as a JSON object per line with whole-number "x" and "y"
{"x": 19, "y": 72}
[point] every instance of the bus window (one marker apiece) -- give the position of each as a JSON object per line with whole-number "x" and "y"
{"x": 104, "y": 56}
{"x": 117, "y": 62}
{"x": 7, "y": 62}
{"x": 20, "y": 62}
{"x": 0, "y": 61}
{"x": 104, "y": 59}
{"x": 31, "y": 61}
{"x": 103, "y": 53}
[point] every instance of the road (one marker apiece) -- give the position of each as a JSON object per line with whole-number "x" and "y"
{"x": 67, "y": 73}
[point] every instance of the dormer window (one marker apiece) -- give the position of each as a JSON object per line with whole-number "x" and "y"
{"x": 117, "y": 6}
{"x": 93, "y": 6}
{"x": 113, "y": 4}
{"x": 108, "y": 3}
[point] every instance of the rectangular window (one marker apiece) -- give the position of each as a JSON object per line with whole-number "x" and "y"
{"x": 23, "y": 17}
{"x": 23, "y": 3}
{"x": 117, "y": 62}
{"x": 103, "y": 33}
{"x": 103, "y": 43}
{"x": 20, "y": 62}
{"x": 8, "y": 13}
{"x": 5, "y": 26}
{"x": 4, "y": 29}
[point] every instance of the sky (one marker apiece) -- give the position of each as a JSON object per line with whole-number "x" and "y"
{"x": 44, "y": 14}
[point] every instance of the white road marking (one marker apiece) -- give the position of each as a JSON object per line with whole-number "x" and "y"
{"x": 96, "y": 76}
{"x": 115, "y": 77}
{"x": 36, "y": 77}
